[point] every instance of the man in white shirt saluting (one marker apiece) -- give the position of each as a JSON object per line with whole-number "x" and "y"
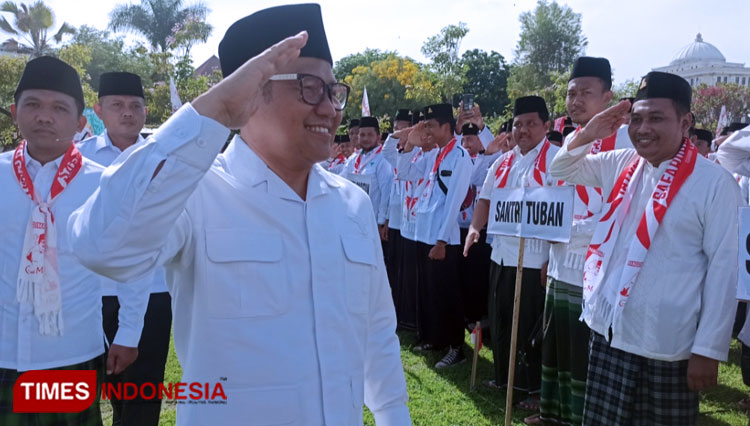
{"x": 50, "y": 304}
{"x": 660, "y": 273}
{"x": 278, "y": 284}
{"x": 564, "y": 367}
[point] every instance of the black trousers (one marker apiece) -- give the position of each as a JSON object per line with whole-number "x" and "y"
{"x": 528, "y": 375}
{"x": 406, "y": 308}
{"x": 149, "y": 366}
{"x": 474, "y": 277}
{"x": 440, "y": 317}
{"x": 393, "y": 263}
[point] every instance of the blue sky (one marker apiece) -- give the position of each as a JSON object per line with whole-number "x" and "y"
{"x": 635, "y": 35}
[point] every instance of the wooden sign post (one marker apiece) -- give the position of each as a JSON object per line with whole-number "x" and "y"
{"x": 544, "y": 213}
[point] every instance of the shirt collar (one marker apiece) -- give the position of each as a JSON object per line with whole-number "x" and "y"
{"x": 533, "y": 151}
{"x": 245, "y": 165}
{"x": 104, "y": 142}
{"x": 36, "y": 165}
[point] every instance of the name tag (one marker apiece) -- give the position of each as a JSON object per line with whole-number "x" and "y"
{"x": 362, "y": 181}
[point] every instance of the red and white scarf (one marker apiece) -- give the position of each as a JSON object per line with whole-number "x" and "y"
{"x": 590, "y": 197}
{"x": 359, "y": 162}
{"x": 340, "y": 159}
{"x": 38, "y": 275}
{"x": 535, "y": 179}
{"x": 601, "y": 307}
{"x": 429, "y": 184}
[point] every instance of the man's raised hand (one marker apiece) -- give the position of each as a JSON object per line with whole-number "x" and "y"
{"x": 602, "y": 125}
{"x": 233, "y": 100}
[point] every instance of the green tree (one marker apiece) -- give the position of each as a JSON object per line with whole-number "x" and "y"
{"x": 708, "y": 100}
{"x": 442, "y": 50}
{"x": 551, "y": 39}
{"x": 11, "y": 69}
{"x": 346, "y": 65}
{"x": 110, "y": 54}
{"x": 166, "y": 24}
{"x": 626, "y": 89}
{"x": 31, "y": 25}
{"x": 486, "y": 78}
{"x": 392, "y": 83}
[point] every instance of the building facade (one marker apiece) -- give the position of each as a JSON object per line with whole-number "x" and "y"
{"x": 701, "y": 62}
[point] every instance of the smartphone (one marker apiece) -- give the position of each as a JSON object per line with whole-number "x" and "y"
{"x": 467, "y": 99}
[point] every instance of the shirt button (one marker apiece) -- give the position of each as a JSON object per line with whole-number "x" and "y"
{"x": 181, "y": 133}
{"x": 201, "y": 143}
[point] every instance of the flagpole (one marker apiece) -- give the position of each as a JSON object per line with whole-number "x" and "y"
{"x": 514, "y": 334}
{"x": 477, "y": 344}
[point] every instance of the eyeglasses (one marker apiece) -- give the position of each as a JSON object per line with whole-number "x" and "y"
{"x": 312, "y": 89}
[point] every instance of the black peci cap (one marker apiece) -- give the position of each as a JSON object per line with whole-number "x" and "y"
{"x": 665, "y": 85}
{"x": 253, "y": 34}
{"x": 48, "y": 73}
{"x": 120, "y": 83}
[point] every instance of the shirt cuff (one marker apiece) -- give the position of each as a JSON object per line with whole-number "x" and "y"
{"x": 396, "y": 415}
{"x": 191, "y": 137}
{"x": 127, "y": 337}
{"x": 711, "y": 353}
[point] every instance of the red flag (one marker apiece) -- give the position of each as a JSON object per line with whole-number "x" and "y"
{"x": 476, "y": 337}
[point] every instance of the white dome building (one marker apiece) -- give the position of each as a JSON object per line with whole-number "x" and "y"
{"x": 701, "y": 62}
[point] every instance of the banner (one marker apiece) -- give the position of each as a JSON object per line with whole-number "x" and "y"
{"x": 365, "y": 104}
{"x": 723, "y": 120}
{"x": 743, "y": 275}
{"x": 173, "y": 96}
{"x": 543, "y": 213}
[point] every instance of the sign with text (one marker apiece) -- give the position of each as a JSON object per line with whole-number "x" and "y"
{"x": 362, "y": 181}
{"x": 543, "y": 213}
{"x": 743, "y": 275}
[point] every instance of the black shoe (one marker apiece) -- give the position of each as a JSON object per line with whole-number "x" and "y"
{"x": 454, "y": 356}
{"x": 425, "y": 347}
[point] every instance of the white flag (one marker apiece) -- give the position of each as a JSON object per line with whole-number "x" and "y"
{"x": 723, "y": 120}
{"x": 173, "y": 96}
{"x": 365, "y": 104}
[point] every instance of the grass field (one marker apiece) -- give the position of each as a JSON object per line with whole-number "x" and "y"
{"x": 442, "y": 397}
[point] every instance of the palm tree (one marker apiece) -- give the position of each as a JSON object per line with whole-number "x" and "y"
{"x": 164, "y": 23}
{"x": 31, "y": 25}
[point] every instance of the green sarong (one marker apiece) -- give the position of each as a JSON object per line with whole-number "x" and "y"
{"x": 565, "y": 351}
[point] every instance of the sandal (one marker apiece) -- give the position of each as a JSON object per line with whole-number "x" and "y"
{"x": 529, "y": 404}
{"x": 535, "y": 419}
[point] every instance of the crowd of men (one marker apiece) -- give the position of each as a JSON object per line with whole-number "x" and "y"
{"x": 288, "y": 273}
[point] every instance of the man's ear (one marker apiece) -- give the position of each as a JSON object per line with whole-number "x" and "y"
{"x": 608, "y": 95}
{"x": 13, "y": 113}
{"x": 82, "y": 120}
{"x": 98, "y": 110}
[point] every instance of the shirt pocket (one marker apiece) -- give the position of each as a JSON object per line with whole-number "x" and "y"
{"x": 359, "y": 269}
{"x": 245, "y": 273}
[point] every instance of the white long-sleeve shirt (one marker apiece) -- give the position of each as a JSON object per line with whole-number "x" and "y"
{"x": 133, "y": 297}
{"x": 379, "y": 171}
{"x": 566, "y": 259}
{"x": 287, "y": 299}
{"x": 481, "y": 163}
{"x": 437, "y": 211}
{"x": 734, "y": 152}
{"x": 21, "y": 346}
{"x": 683, "y": 300}
{"x": 505, "y": 249}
